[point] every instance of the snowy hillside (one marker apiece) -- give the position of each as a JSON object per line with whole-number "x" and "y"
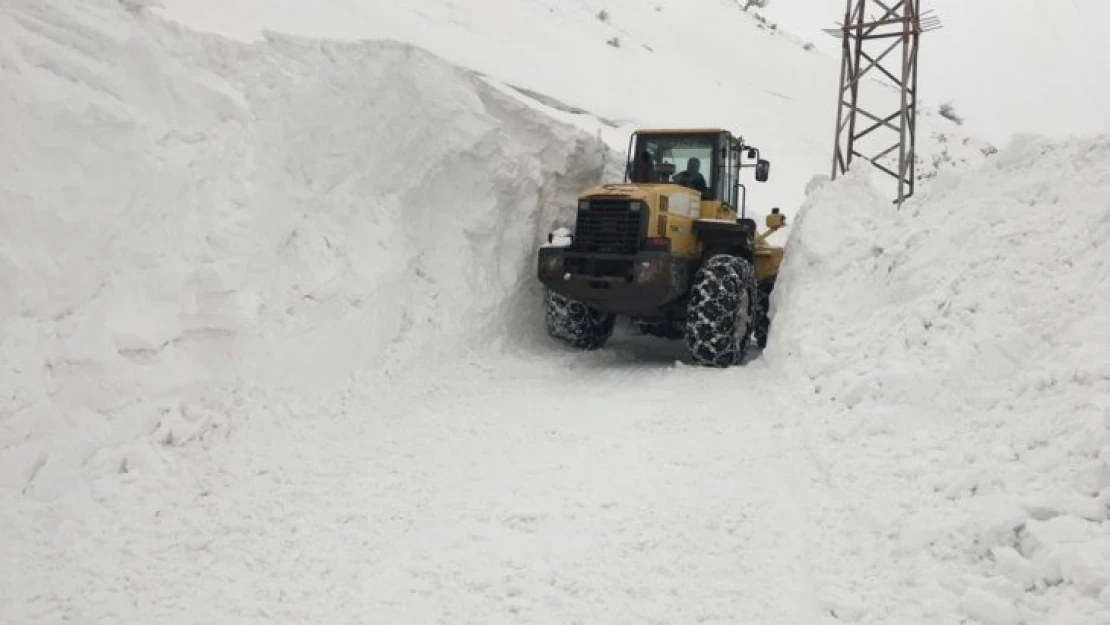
{"x": 618, "y": 65}
{"x": 273, "y": 351}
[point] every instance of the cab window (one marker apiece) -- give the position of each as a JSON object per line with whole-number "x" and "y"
{"x": 677, "y": 159}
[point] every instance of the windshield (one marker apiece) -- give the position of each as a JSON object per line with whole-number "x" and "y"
{"x": 677, "y": 159}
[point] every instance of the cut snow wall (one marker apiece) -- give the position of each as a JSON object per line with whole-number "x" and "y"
{"x": 951, "y": 358}
{"x": 181, "y": 211}
{"x": 983, "y": 285}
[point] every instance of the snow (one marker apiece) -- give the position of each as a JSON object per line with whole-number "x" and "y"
{"x": 273, "y": 345}
{"x": 959, "y": 343}
{"x": 261, "y": 204}
{"x": 560, "y": 237}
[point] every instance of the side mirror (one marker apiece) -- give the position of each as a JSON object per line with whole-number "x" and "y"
{"x": 762, "y": 170}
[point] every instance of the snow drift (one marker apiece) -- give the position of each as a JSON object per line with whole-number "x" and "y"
{"x": 955, "y": 356}
{"x": 180, "y": 210}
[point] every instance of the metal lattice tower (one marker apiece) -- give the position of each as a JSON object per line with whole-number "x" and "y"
{"x": 889, "y": 137}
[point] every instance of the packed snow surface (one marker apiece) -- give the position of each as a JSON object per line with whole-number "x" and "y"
{"x": 273, "y": 351}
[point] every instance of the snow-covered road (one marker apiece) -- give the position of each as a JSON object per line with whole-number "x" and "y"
{"x": 603, "y": 488}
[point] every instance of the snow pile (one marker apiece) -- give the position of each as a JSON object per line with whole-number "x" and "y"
{"x": 181, "y": 212}
{"x": 954, "y": 354}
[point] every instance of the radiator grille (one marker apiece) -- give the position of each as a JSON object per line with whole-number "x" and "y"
{"x": 608, "y": 227}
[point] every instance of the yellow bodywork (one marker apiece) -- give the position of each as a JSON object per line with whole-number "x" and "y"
{"x": 768, "y": 258}
{"x": 767, "y": 262}
{"x": 674, "y": 208}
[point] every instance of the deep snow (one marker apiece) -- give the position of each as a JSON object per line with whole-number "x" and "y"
{"x": 951, "y": 358}
{"x": 276, "y": 355}
{"x": 182, "y": 210}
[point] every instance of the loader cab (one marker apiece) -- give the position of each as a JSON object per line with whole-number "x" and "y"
{"x": 661, "y": 157}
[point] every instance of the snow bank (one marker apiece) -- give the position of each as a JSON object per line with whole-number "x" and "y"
{"x": 954, "y": 354}
{"x": 181, "y": 212}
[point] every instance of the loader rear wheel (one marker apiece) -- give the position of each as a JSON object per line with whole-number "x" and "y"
{"x": 577, "y": 324}
{"x": 763, "y": 312}
{"x": 721, "y": 311}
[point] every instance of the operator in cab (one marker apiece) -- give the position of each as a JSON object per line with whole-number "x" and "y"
{"x": 692, "y": 177}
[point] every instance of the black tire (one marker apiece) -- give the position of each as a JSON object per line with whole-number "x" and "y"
{"x": 577, "y": 324}
{"x": 763, "y": 312}
{"x": 721, "y": 311}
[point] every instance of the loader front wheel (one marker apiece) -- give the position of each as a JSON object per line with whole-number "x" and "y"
{"x": 721, "y": 311}
{"x": 577, "y": 324}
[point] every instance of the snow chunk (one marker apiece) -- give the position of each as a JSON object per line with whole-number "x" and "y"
{"x": 988, "y": 609}
{"x": 561, "y": 237}
{"x": 842, "y": 604}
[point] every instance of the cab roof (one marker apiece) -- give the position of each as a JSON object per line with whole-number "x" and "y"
{"x": 680, "y": 131}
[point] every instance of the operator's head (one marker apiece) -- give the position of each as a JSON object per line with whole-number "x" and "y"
{"x": 693, "y": 165}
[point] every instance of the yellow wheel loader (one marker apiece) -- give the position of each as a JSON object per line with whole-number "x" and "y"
{"x": 671, "y": 247}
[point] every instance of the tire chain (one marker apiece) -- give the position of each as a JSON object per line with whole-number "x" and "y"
{"x": 577, "y": 324}
{"x": 712, "y": 313}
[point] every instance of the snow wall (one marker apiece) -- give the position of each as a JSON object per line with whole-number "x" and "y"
{"x": 183, "y": 212}
{"x": 964, "y": 341}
